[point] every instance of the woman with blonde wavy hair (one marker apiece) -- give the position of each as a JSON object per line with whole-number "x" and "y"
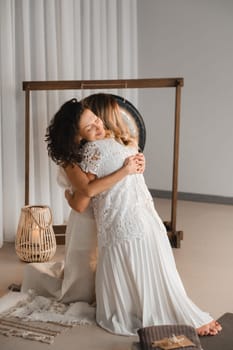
{"x": 137, "y": 283}
{"x": 106, "y": 107}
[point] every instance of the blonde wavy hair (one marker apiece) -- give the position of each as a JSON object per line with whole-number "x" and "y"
{"x": 105, "y": 106}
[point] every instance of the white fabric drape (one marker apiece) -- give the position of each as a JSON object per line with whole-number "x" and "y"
{"x": 53, "y": 40}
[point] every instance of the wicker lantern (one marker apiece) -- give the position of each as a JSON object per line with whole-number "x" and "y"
{"x": 35, "y": 239}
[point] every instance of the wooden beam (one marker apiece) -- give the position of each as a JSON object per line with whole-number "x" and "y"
{"x": 103, "y": 84}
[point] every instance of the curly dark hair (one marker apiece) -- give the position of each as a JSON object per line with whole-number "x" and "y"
{"x": 61, "y": 133}
{"x": 64, "y": 127}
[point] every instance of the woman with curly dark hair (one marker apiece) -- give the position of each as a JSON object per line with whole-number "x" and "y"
{"x": 74, "y": 280}
{"x": 65, "y": 149}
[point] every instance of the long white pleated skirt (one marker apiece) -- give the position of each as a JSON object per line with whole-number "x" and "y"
{"x": 138, "y": 285}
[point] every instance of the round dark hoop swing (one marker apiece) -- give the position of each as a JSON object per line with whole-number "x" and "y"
{"x": 132, "y": 112}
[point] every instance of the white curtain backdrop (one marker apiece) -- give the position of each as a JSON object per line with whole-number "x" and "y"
{"x": 53, "y": 40}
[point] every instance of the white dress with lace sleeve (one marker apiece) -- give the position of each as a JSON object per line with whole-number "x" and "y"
{"x": 137, "y": 283}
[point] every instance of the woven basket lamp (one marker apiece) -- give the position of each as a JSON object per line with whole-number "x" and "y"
{"x": 35, "y": 239}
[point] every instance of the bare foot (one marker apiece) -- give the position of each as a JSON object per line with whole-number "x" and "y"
{"x": 215, "y": 326}
{"x": 203, "y": 330}
{"x": 212, "y": 328}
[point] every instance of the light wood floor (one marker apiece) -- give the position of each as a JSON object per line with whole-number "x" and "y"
{"x": 205, "y": 263}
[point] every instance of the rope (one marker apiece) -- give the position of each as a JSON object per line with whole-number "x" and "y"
{"x": 29, "y": 209}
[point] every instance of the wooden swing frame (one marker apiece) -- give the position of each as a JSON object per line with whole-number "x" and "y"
{"x": 28, "y": 86}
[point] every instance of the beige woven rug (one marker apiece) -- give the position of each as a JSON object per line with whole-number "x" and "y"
{"x": 44, "y": 332}
{"x": 41, "y": 319}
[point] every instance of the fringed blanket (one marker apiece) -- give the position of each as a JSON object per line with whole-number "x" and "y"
{"x": 38, "y": 318}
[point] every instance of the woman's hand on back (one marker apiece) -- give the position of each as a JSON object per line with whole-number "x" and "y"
{"x": 135, "y": 164}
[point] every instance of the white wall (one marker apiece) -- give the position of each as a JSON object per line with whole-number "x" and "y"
{"x": 192, "y": 39}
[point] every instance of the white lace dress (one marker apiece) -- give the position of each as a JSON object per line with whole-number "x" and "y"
{"x": 137, "y": 283}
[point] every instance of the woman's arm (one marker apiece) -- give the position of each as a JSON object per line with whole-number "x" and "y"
{"x": 77, "y": 201}
{"x": 87, "y": 185}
